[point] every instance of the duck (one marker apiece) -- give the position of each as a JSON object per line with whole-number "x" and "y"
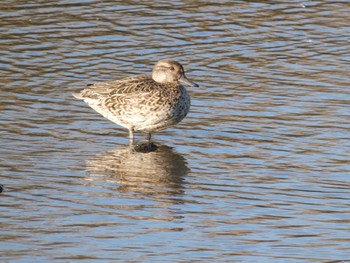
{"x": 143, "y": 103}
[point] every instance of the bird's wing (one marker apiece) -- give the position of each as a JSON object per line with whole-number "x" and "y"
{"x": 138, "y": 84}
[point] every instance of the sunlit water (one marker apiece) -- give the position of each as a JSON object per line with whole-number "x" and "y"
{"x": 258, "y": 171}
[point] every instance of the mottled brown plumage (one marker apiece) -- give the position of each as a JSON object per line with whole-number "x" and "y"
{"x": 143, "y": 103}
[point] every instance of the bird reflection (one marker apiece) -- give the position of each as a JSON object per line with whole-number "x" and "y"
{"x": 156, "y": 172}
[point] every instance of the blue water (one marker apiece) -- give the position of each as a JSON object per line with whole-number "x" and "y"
{"x": 257, "y": 172}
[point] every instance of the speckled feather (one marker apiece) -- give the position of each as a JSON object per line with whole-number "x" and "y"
{"x": 141, "y": 103}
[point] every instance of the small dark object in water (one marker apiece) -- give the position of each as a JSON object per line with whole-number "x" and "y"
{"x": 2, "y": 187}
{"x": 145, "y": 147}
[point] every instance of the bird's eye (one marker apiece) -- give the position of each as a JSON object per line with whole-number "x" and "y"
{"x": 172, "y": 68}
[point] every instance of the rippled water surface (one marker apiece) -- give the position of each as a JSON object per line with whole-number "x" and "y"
{"x": 257, "y": 172}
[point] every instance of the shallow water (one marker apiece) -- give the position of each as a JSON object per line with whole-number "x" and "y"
{"x": 257, "y": 172}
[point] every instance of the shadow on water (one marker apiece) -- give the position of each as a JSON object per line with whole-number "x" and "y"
{"x": 156, "y": 172}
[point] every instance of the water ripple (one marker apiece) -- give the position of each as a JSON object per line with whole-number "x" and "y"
{"x": 258, "y": 171}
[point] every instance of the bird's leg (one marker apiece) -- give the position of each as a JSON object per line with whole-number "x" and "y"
{"x": 131, "y": 135}
{"x": 148, "y": 138}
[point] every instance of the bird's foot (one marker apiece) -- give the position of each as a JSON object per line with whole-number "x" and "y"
{"x": 144, "y": 147}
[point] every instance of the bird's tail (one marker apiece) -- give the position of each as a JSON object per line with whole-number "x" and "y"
{"x": 78, "y": 95}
